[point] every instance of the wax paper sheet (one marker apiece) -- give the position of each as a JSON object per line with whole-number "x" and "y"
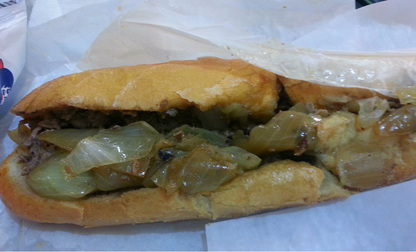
{"x": 288, "y": 37}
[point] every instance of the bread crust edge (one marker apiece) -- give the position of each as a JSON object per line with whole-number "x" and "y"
{"x": 146, "y": 205}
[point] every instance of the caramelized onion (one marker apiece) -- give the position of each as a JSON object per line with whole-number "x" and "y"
{"x": 398, "y": 122}
{"x": 406, "y": 95}
{"x": 188, "y": 137}
{"x": 236, "y": 112}
{"x": 107, "y": 179}
{"x": 288, "y": 130}
{"x": 363, "y": 165}
{"x": 111, "y": 146}
{"x": 66, "y": 138}
{"x": 205, "y": 168}
{"x": 211, "y": 119}
{"x": 370, "y": 111}
{"x": 17, "y": 135}
{"x": 50, "y": 180}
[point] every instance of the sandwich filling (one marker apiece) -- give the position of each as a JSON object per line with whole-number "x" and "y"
{"x": 75, "y": 153}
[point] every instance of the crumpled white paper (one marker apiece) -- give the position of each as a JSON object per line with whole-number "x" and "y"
{"x": 371, "y": 47}
{"x": 318, "y": 41}
{"x": 174, "y": 27}
{"x": 68, "y": 38}
{"x": 377, "y": 220}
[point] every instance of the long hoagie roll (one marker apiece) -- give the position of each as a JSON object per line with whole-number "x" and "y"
{"x": 201, "y": 139}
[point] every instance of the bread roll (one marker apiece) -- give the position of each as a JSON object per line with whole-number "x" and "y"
{"x": 277, "y": 185}
{"x": 316, "y": 167}
{"x": 203, "y": 83}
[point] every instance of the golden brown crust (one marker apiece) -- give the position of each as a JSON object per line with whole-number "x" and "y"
{"x": 142, "y": 206}
{"x": 203, "y": 83}
{"x": 18, "y": 197}
{"x": 135, "y": 206}
{"x": 324, "y": 97}
{"x": 293, "y": 183}
{"x": 275, "y": 185}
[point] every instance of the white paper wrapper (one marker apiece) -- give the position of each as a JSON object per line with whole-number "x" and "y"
{"x": 180, "y": 31}
{"x": 377, "y": 220}
{"x": 326, "y": 42}
{"x": 66, "y": 37}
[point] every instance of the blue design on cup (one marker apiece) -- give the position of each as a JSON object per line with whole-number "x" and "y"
{"x": 6, "y": 82}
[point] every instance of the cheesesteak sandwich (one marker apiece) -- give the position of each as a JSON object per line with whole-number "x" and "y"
{"x": 202, "y": 139}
